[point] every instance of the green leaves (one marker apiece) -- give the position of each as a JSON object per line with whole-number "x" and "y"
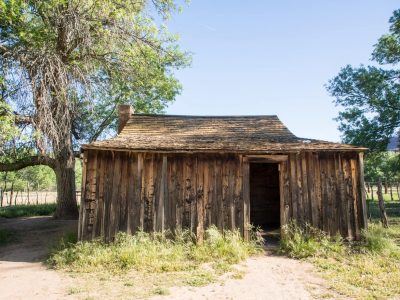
{"x": 370, "y": 96}
{"x": 387, "y": 50}
{"x": 85, "y": 57}
{"x": 8, "y": 130}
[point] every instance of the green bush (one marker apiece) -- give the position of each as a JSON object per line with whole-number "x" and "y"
{"x": 306, "y": 241}
{"x": 27, "y": 210}
{"x": 377, "y": 240}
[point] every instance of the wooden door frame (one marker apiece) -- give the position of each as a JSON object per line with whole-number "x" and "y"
{"x": 280, "y": 160}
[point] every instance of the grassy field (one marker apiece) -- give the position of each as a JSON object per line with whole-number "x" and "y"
{"x": 27, "y": 210}
{"x": 369, "y": 269}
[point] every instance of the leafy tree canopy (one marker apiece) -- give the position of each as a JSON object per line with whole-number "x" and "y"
{"x": 370, "y": 95}
{"x": 64, "y": 67}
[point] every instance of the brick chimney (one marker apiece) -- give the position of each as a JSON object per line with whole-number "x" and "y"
{"x": 124, "y": 113}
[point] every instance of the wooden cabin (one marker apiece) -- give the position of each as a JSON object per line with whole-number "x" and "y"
{"x": 174, "y": 172}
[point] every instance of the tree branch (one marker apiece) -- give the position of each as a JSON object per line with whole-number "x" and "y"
{"x": 18, "y": 119}
{"x": 102, "y": 126}
{"x": 27, "y": 162}
{"x": 77, "y": 154}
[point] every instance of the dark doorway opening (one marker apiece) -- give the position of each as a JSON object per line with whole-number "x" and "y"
{"x": 265, "y": 197}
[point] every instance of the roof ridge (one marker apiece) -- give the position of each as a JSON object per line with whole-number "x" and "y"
{"x": 203, "y": 116}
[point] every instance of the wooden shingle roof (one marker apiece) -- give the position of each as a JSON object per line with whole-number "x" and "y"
{"x": 246, "y": 134}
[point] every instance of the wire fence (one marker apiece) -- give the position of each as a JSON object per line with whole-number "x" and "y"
{"x": 9, "y": 198}
{"x": 389, "y": 190}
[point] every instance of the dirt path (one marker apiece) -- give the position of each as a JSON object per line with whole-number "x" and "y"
{"x": 266, "y": 277}
{"x": 23, "y": 275}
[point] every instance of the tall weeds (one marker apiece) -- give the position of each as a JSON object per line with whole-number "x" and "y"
{"x": 154, "y": 252}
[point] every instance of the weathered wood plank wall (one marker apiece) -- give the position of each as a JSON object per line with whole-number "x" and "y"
{"x": 125, "y": 191}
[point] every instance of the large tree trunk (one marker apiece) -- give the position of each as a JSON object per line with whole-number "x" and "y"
{"x": 66, "y": 194}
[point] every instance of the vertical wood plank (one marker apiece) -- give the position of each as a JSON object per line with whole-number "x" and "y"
{"x": 231, "y": 193}
{"x": 238, "y": 197}
{"x": 133, "y": 200}
{"x": 160, "y": 225}
{"x": 313, "y": 208}
{"x": 342, "y": 198}
{"x": 82, "y": 204}
{"x": 349, "y": 198}
{"x": 219, "y": 219}
{"x": 141, "y": 189}
{"x": 284, "y": 191}
{"x": 333, "y": 195}
{"x": 305, "y": 189}
{"x": 90, "y": 194}
{"x": 171, "y": 203}
{"x": 187, "y": 197}
{"x": 114, "y": 207}
{"x": 108, "y": 181}
{"x": 200, "y": 198}
{"x": 362, "y": 190}
{"x": 300, "y": 193}
{"x": 122, "y": 207}
{"x": 98, "y": 217}
{"x": 193, "y": 195}
{"x": 324, "y": 193}
{"x": 225, "y": 196}
{"x": 208, "y": 169}
{"x": 246, "y": 197}
{"x": 180, "y": 192}
{"x": 353, "y": 166}
{"x": 293, "y": 186}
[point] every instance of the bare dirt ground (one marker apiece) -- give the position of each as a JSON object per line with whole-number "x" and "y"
{"x": 24, "y": 276}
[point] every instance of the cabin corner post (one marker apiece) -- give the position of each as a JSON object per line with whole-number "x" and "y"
{"x": 362, "y": 190}
{"x": 246, "y": 198}
{"x": 82, "y": 202}
{"x": 160, "y": 219}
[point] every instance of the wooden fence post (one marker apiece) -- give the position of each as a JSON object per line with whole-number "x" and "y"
{"x": 386, "y": 186}
{"x": 391, "y": 191}
{"x": 397, "y": 189}
{"x": 372, "y": 192}
{"x": 382, "y": 209}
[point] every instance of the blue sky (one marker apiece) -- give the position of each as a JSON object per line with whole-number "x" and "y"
{"x": 274, "y": 57}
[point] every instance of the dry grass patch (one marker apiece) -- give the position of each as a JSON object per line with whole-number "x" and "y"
{"x": 154, "y": 261}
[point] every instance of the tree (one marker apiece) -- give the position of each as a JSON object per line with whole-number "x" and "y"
{"x": 370, "y": 95}
{"x": 66, "y": 64}
{"x": 382, "y": 165}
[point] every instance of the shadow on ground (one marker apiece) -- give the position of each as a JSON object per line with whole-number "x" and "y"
{"x": 33, "y": 237}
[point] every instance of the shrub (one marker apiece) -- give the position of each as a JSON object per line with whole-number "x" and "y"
{"x": 377, "y": 240}
{"x": 27, "y": 210}
{"x": 306, "y": 241}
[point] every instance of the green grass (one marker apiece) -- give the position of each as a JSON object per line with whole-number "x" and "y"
{"x": 154, "y": 254}
{"x": 6, "y": 236}
{"x": 27, "y": 210}
{"x": 392, "y": 210}
{"x": 367, "y": 269}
